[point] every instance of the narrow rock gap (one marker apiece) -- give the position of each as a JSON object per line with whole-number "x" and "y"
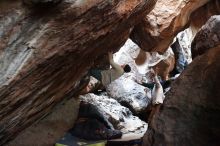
{"x": 128, "y": 90}
{"x": 49, "y": 97}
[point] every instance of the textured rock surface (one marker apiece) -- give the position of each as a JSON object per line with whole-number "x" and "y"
{"x": 161, "y": 25}
{"x": 190, "y": 113}
{"x": 201, "y": 15}
{"x": 130, "y": 94}
{"x": 144, "y": 60}
{"x": 207, "y": 37}
{"x": 120, "y": 117}
{"x": 164, "y": 67}
{"x": 139, "y": 60}
{"x": 125, "y": 89}
{"x": 48, "y": 130}
{"x": 45, "y": 51}
{"x": 185, "y": 39}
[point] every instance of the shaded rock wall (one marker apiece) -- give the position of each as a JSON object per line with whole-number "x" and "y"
{"x": 44, "y": 51}
{"x": 190, "y": 113}
{"x": 40, "y": 2}
{"x": 207, "y": 37}
{"x": 46, "y": 131}
{"x": 201, "y": 15}
{"x": 161, "y": 25}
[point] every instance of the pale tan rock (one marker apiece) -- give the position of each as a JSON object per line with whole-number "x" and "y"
{"x": 164, "y": 67}
{"x": 162, "y": 24}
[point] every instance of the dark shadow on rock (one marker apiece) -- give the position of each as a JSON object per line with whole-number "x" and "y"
{"x": 92, "y": 129}
{"x": 88, "y": 110}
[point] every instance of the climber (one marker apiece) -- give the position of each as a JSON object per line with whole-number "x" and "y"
{"x": 107, "y": 76}
{"x": 157, "y": 96}
{"x": 155, "y": 87}
{"x": 165, "y": 83}
{"x": 157, "y": 92}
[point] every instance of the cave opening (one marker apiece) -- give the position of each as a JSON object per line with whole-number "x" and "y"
{"x": 128, "y": 100}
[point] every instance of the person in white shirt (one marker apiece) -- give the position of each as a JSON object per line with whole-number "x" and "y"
{"x": 108, "y": 76}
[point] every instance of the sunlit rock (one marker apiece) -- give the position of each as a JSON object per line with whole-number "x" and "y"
{"x": 121, "y": 117}
{"x": 158, "y": 29}
{"x": 130, "y": 94}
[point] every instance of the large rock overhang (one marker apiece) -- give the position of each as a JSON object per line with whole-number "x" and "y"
{"x": 46, "y": 49}
{"x": 158, "y": 29}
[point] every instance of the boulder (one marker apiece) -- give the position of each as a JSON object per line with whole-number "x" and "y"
{"x": 164, "y": 67}
{"x": 45, "y": 52}
{"x": 207, "y": 37}
{"x": 158, "y": 29}
{"x": 119, "y": 116}
{"x": 47, "y": 130}
{"x": 202, "y": 15}
{"x": 180, "y": 56}
{"x": 125, "y": 89}
{"x": 190, "y": 112}
{"x": 130, "y": 94}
